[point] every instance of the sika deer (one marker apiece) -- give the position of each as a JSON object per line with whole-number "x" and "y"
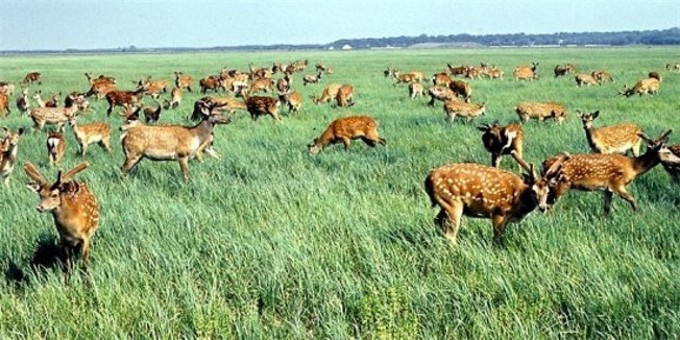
{"x": 87, "y": 134}
{"x": 345, "y": 96}
{"x": 328, "y": 94}
{"x": 32, "y": 77}
{"x": 344, "y": 130}
{"x": 312, "y": 78}
{"x": 4, "y": 104}
{"x": 502, "y": 140}
{"x": 183, "y": 81}
{"x": 461, "y": 88}
{"x": 175, "y": 99}
{"x": 525, "y": 72}
{"x": 586, "y": 79}
{"x": 617, "y": 138}
{"x": 56, "y": 147}
{"x": 541, "y": 111}
{"x": 608, "y": 172}
{"x": 73, "y": 207}
{"x": 260, "y": 105}
{"x": 415, "y": 90}
{"x": 470, "y": 111}
{"x": 643, "y": 86}
{"x": 169, "y": 142}
{"x": 440, "y": 93}
{"x": 8, "y": 153}
{"x": 293, "y": 99}
{"x": 124, "y": 98}
{"x": 57, "y": 115}
{"x": 477, "y": 190}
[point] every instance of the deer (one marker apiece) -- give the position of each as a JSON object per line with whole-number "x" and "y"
{"x": 617, "y": 138}
{"x": 416, "y": 90}
{"x": 4, "y": 105}
{"x": 586, "y": 79}
{"x": 456, "y": 71}
{"x": 441, "y": 78}
{"x": 152, "y": 115}
{"x": 563, "y": 70}
{"x": 57, "y": 115}
{"x": 328, "y": 94}
{"x": 124, "y": 98}
{"x": 210, "y": 83}
{"x": 407, "y": 78}
{"x": 441, "y": 94}
{"x": 472, "y": 72}
{"x": 541, "y": 111}
{"x": 345, "y": 96}
{"x": 602, "y": 76}
{"x": 312, "y": 78}
{"x": 86, "y": 134}
{"x": 52, "y": 102}
{"x": 462, "y": 89}
{"x": 183, "y": 81}
{"x": 469, "y": 111}
{"x": 101, "y": 79}
{"x": 673, "y": 67}
{"x": 643, "y": 86}
{"x": 8, "y": 152}
{"x": 100, "y": 89}
{"x": 670, "y": 160}
{"x": 525, "y": 72}
{"x": 22, "y": 101}
{"x": 610, "y": 173}
{"x": 175, "y": 99}
{"x": 260, "y": 105}
{"x": 74, "y": 208}
{"x": 56, "y": 147}
{"x": 477, "y": 190}
{"x": 7, "y": 88}
{"x": 293, "y": 99}
{"x": 32, "y": 77}
{"x": 343, "y": 130}
{"x": 492, "y": 72}
{"x": 263, "y": 84}
{"x": 152, "y": 87}
{"x": 170, "y": 142}
{"x": 502, "y": 140}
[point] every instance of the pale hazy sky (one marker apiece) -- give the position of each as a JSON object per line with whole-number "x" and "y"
{"x": 62, "y": 24}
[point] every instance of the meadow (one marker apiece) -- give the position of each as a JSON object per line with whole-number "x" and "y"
{"x": 270, "y": 241}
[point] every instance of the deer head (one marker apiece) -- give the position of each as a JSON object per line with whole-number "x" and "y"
{"x": 50, "y": 194}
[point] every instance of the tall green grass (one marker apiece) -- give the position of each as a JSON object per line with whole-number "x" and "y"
{"x": 269, "y": 241}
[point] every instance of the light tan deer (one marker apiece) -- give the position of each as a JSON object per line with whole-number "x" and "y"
{"x": 329, "y": 93}
{"x": 345, "y": 96}
{"x": 292, "y": 99}
{"x": 440, "y": 93}
{"x": 525, "y": 72}
{"x": 56, "y": 147}
{"x": 610, "y": 173}
{"x": 91, "y": 133}
{"x": 502, "y": 140}
{"x": 541, "y": 111}
{"x": 183, "y": 81}
{"x": 643, "y": 86}
{"x": 74, "y": 208}
{"x": 348, "y": 128}
{"x": 477, "y": 190}
{"x": 407, "y": 78}
{"x": 8, "y": 152}
{"x": 175, "y": 99}
{"x": 169, "y": 142}
{"x": 416, "y": 90}
{"x": 57, "y": 115}
{"x": 586, "y": 79}
{"x": 617, "y": 138}
{"x": 469, "y": 111}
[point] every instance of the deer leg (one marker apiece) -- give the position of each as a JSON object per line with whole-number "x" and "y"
{"x": 130, "y": 162}
{"x": 451, "y": 224}
{"x": 86, "y": 254}
{"x": 184, "y": 167}
{"x": 636, "y": 149}
{"x": 623, "y": 193}
{"x": 607, "y": 202}
{"x": 83, "y": 149}
{"x": 346, "y": 142}
{"x": 67, "y": 262}
{"x": 106, "y": 144}
{"x": 499, "y": 222}
{"x": 496, "y": 160}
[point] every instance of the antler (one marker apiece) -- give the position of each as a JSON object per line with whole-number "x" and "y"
{"x": 69, "y": 174}
{"x": 555, "y": 167}
{"x": 664, "y": 135}
{"x": 526, "y": 166}
{"x": 34, "y": 174}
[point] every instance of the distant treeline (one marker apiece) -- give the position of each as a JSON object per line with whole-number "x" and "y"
{"x": 652, "y": 37}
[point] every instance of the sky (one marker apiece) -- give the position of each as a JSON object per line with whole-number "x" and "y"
{"x": 65, "y": 24}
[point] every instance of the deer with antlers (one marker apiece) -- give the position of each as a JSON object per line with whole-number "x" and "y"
{"x": 477, "y": 190}
{"x": 74, "y": 209}
{"x": 608, "y": 172}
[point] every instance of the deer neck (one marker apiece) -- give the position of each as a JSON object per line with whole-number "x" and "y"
{"x": 589, "y": 137}
{"x": 646, "y": 162}
{"x": 526, "y": 202}
{"x": 203, "y": 130}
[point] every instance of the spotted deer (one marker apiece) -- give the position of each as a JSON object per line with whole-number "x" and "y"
{"x": 22, "y": 101}
{"x": 525, "y": 72}
{"x": 462, "y": 89}
{"x": 124, "y": 98}
{"x": 440, "y": 93}
{"x": 541, "y": 111}
{"x": 74, "y": 209}
{"x": 602, "y": 76}
{"x": 617, "y": 138}
{"x": 312, "y": 78}
{"x": 57, "y": 115}
{"x": 170, "y": 142}
{"x": 8, "y": 152}
{"x": 477, "y": 190}
{"x": 441, "y": 78}
{"x": 469, "y": 111}
{"x": 670, "y": 159}
{"x": 610, "y": 173}
{"x": 345, "y": 96}
{"x": 91, "y": 133}
{"x": 261, "y": 105}
{"x": 563, "y": 70}
{"x": 175, "y": 99}
{"x": 56, "y": 147}
{"x": 502, "y": 140}
{"x": 4, "y": 105}
{"x": 586, "y": 79}
{"x": 343, "y": 130}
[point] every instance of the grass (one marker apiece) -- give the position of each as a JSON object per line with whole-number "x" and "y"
{"x": 270, "y": 241}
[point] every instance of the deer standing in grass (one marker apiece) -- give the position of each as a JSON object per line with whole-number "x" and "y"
{"x": 525, "y": 72}
{"x": 502, "y": 140}
{"x": 482, "y": 191}
{"x": 348, "y": 128}
{"x": 8, "y": 153}
{"x": 170, "y": 142}
{"x": 56, "y": 147}
{"x": 610, "y": 173}
{"x": 74, "y": 209}
{"x": 91, "y": 133}
{"x": 617, "y": 138}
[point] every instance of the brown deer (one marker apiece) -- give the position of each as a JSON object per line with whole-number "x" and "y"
{"x": 4, "y": 105}
{"x": 56, "y": 147}
{"x": 73, "y": 207}
{"x": 210, "y": 83}
{"x": 264, "y": 84}
{"x": 407, "y": 78}
{"x": 416, "y": 90}
{"x": 608, "y": 172}
{"x": 7, "y": 88}
{"x": 617, "y": 138}
{"x": 441, "y": 78}
{"x": 563, "y": 70}
{"x": 643, "y": 86}
{"x": 152, "y": 115}
{"x": 169, "y": 142}
{"x": 456, "y": 71}
{"x": 502, "y": 140}
{"x": 293, "y": 99}
{"x": 91, "y": 133}
{"x": 329, "y": 93}
{"x": 586, "y": 79}
{"x": 101, "y": 79}
{"x": 525, "y": 72}
{"x": 124, "y": 98}
{"x": 175, "y": 99}
{"x": 154, "y": 88}
{"x": 100, "y": 89}
{"x": 477, "y": 190}
{"x": 441, "y": 94}
{"x": 462, "y": 89}
{"x": 670, "y": 159}
{"x": 312, "y": 78}
{"x": 23, "y": 102}
{"x": 57, "y": 115}
{"x": 472, "y": 72}
{"x": 345, "y": 96}
{"x": 344, "y": 130}
{"x": 8, "y": 153}
{"x": 260, "y": 105}
{"x": 470, "y": 111}
{"x": 602, "y": 76}
{"x": 32, "y": 77}
{"x": 541, "y": 111}
{"x": 183, "y": 81}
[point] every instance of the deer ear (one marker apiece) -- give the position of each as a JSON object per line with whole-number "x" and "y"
{"x": 595, "y": 114}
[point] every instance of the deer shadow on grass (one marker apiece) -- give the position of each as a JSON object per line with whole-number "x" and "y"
{"x": 47, "y": 256}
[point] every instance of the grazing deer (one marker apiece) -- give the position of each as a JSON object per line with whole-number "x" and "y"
{"x": 56, "y": 147}
{"x": 502, "y": 140}
{"x": 541, "y": 111}
{"x": 525, "y": 72}
{"x": 586, "y": 79}
{"x": 670, "y": 159}
{"x": 312, "y": 78}
{"x": 91, "y": 133}
{"x": 293, "y": 99}
{"x": 329, "y": 93}
{"x": 345, "y": 129}
{"x": 345, "y": 96}
{"x": 74, "y": 209}
{"x": 563, "y": 70}
{"x": 183, "y": 81}
{"x": 462, "y": 89}
{"x": 602, "y": 76}
{"x": 477, "y": 190}
{"x": 416, "y": 90}
{"x": 617, "y": 138}
{"x": 124, "y": 98}
{"x": 32, "y": 77}
{"x": 608, "y": 172}
{"x": 8, "y": 153}
{"x": 643, "y": 86}
{"x": 170, "y": 142}
{"x": 470, "y": 111}
{"x": 440, "y": 93}
{"x": 57, "y": 115}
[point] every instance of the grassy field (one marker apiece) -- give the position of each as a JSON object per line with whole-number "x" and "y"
{"x": 269, "y": 241}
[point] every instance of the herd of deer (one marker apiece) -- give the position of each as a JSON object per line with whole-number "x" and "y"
{"x": 473, "y": 190}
